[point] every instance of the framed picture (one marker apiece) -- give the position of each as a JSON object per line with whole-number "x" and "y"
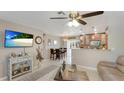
{"x": 82, "y": 39}
{"x": 87, "y": 39}
{"x": 95, "y": 43}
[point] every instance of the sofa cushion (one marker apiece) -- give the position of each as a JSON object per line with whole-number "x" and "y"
{"x": 120, "y": 60}
{"x": 108, "y": 64}
{"x": 110, "y": 74}
{"x": 120, "y": 67}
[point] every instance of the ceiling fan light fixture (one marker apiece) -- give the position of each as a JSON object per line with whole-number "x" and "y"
{"x": 94, "y": 30}
{"x": 75, "y": 23}
{"x": 70, "y": 24}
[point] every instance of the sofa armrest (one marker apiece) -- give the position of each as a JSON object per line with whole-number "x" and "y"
{"x": 107, "y": 64}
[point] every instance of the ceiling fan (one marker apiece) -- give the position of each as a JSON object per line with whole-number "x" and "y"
{"x": 78, "y": 17}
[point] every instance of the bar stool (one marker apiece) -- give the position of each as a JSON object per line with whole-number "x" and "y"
{"x": 60, "y": 50}
{"x": 57, "y": 54}
{"x": 52, "y": 53}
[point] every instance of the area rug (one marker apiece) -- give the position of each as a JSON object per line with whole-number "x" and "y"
{"x": 84, "y": 76}
{"x": 37, "y": 74}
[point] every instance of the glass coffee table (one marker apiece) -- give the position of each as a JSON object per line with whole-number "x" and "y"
{"x": 71, "y": 74}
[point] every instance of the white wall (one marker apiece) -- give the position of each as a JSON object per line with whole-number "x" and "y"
{"x": 4, "y": 52}
{"x": 58, "y": 39}
{"x": 88, "y": 57}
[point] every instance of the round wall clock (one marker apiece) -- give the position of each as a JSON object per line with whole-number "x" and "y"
{"x": 38, "y": 39}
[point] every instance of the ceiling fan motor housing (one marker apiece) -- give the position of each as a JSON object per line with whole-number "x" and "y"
{"x": 74, "y": 15}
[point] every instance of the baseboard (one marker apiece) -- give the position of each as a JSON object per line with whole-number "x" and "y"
{"x": 4, "y": 78}
{"x": 87, "y": 67}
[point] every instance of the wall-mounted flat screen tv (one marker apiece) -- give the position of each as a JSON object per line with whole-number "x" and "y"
{"x": 17, "y": 39}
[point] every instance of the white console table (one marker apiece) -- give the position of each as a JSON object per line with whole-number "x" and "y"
{"x": 18, "y": 66}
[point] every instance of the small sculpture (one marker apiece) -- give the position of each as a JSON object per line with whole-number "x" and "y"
{"x": 63, "y": 65}
{"x": 39, "y": 55}
{"x": 13, "y": 55}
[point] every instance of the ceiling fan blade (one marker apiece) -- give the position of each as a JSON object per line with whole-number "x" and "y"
{"x": 59, "y": 18}
{"x": 92, "y": 14}
{"x": 81, "y": 22}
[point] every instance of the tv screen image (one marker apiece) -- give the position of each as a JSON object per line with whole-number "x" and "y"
{"x": 17, "y": 39}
